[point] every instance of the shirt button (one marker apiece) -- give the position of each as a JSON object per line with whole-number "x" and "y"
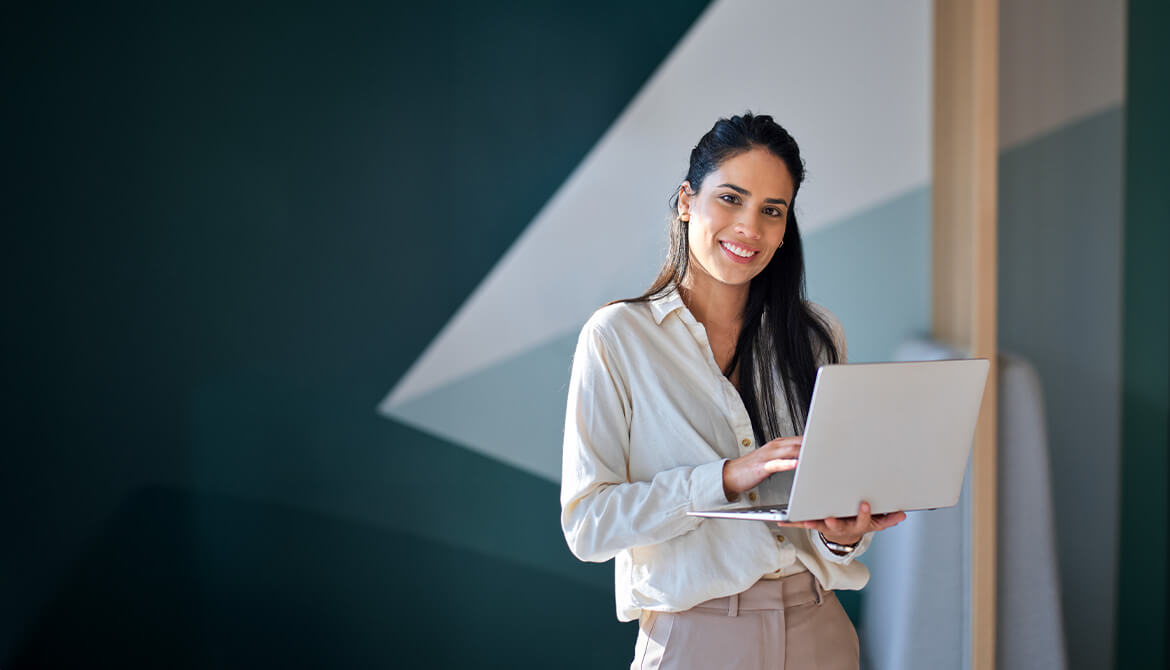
{"x": 752, "y": 496}
{"x": 747, "y": 442}
{"x": 780, "y": 539}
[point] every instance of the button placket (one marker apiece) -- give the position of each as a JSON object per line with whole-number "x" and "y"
{"x": 732, "y": 402}
{"x": 741, "y": 423}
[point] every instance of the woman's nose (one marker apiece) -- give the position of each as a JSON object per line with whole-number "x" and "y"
{"x": 748, "y": 229}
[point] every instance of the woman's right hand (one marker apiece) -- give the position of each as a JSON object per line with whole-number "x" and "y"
{"x": 747, "y": 471}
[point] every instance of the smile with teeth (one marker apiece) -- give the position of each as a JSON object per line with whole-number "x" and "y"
{"x": 742, "y": 252}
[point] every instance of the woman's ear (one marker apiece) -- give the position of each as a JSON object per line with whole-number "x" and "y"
{"x": 684, "y": 201}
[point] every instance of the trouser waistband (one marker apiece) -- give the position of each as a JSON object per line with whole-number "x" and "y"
{"x": 770, "y": 594}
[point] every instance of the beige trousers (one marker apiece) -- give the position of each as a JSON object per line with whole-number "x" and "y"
{"x": 790, "y": 624}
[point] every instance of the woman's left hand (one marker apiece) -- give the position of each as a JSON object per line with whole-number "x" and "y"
{"x": 848, "y": 530}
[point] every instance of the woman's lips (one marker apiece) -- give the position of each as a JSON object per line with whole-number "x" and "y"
{"x": 736, "y": 257}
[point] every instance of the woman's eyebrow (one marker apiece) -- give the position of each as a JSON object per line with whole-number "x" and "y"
{"x": 743, "y": 191}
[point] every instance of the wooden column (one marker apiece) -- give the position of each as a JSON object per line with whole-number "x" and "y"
{"x": 964, "y": 255}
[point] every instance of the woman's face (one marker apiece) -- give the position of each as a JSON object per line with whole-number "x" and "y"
{"x": 737, "y": 216}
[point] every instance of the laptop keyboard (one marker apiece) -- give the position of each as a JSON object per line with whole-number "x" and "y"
{"x": 766, "y": 509}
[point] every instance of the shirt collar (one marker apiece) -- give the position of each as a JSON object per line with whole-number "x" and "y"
{"x": 665, "y": 304}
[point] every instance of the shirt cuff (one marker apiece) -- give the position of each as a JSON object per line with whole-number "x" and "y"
{"x": 828, "y": 555}
{"x": 707, "y": 487}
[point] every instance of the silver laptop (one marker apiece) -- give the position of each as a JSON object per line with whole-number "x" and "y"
{"x": 897, "y": 435}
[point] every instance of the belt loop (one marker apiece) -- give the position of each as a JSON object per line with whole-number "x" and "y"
{"x": 733, "y": 605}
{"x": 816, "y": 586}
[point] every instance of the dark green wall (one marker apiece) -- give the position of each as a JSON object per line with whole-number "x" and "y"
{"x": 1143, "y": 593}
{"x": 227, "y": 231}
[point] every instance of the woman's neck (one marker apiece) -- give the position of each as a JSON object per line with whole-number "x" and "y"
{"x": 713, "y": 303}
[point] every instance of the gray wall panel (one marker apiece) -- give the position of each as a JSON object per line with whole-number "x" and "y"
{"x": 1060, "y": 234}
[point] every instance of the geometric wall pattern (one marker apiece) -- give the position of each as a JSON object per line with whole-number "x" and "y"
{"x": 502, "y": 359}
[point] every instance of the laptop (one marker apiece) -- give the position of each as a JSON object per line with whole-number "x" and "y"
{"x": 897, "y": 435}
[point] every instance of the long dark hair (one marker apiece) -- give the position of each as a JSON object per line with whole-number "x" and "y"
{"x": 777, "y": 345}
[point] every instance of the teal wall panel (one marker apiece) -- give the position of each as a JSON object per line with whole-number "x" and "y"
{"x": 873, "y": 271}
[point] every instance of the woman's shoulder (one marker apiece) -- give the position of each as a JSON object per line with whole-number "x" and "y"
{"x": 824, "y": 314}
{"x": 618, "y": 318}
{"x": 614, "y": 329}
{"x": 833, "y": 324}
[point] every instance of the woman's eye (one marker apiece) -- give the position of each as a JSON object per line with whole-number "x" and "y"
{"x": 727, "y": 197}
{"x": 772, "y": 211}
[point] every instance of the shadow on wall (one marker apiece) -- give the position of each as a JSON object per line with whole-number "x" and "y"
{"x": 183, "y": 579}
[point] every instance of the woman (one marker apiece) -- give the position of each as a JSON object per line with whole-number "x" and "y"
{"x": 687, "y": 398}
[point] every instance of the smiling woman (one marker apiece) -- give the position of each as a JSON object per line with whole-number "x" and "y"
{"x": 687, "y": 398}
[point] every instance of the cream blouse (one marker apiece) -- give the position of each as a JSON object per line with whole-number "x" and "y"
{"x": 650, "y": 421}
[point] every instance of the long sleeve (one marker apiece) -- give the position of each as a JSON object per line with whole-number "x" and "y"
{"x": 603, "y": 512}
